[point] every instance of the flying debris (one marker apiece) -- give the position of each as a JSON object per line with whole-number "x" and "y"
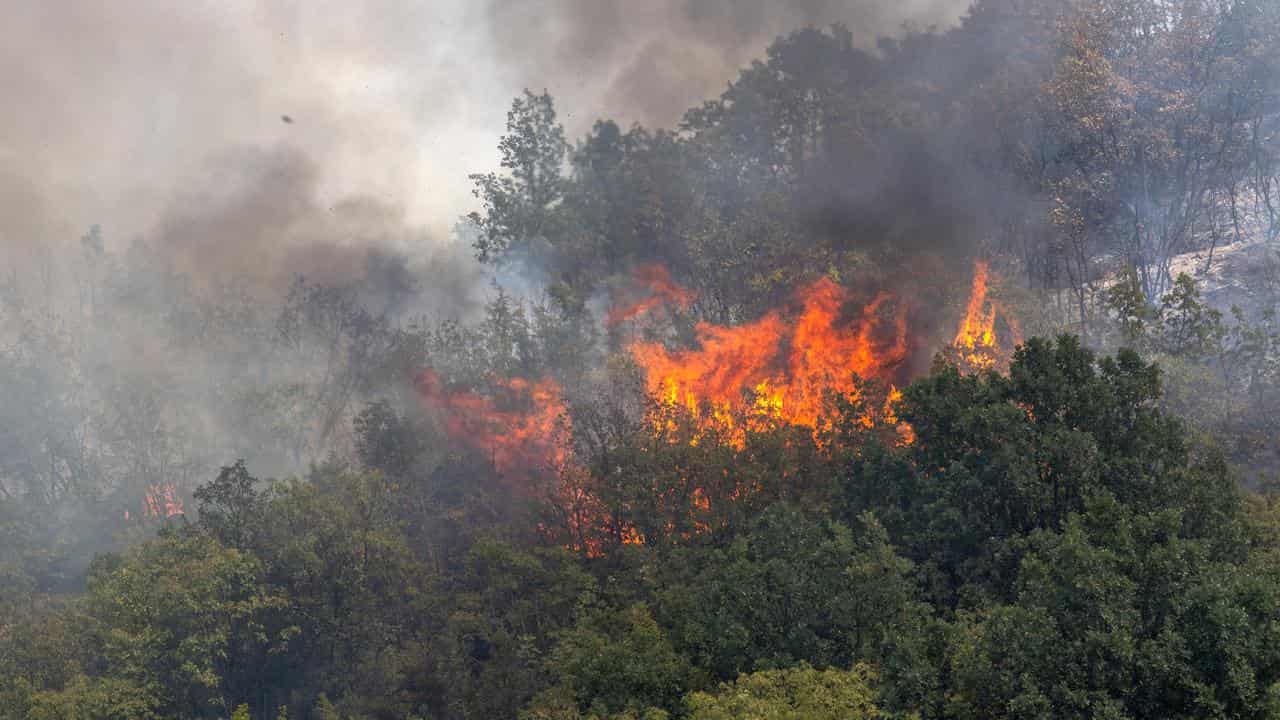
{"x": 286, "y": 119}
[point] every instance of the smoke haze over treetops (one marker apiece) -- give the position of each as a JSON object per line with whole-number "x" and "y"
{"x": 167, "y": 121}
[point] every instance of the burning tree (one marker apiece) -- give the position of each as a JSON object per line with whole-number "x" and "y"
{"x": 978, "y": 342}
{"x": 796, "y": 367}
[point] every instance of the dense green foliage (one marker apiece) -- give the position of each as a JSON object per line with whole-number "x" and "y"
{"x": 1065, "y": 538}
{"x": 1052, "y": 545}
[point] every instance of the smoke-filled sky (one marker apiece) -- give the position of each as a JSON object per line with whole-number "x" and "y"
{"x": 163, "y": 119}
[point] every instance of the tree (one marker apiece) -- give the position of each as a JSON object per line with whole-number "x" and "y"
{"x": 500, "y": 617}
{"x": 1191, "y": 329}
{"x": 620, "y": 661}
{"x": 230, "y": 509}
{"x": 792, "y": 590}
{"x": 334, "y": 548}
{"x": 185, "y": 618}
{"x": 520, "y": 207}
{"x": 800, "y": 693}
{"x": 95, "y": 699}
{"x": 1153, "y": 103}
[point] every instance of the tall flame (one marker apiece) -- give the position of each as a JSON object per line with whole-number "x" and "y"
{"x": 976, "y": 343}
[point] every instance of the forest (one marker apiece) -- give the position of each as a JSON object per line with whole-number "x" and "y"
{"x": 934, "y": 379}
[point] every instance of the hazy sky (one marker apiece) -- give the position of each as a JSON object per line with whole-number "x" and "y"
{"x": 146, "y": 115}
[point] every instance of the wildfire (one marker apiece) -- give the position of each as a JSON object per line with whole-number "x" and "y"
{"x": 781, "y": 367}
{"x": 652, "y": 287}
{"x": 520, "y": 427}
{"x": 976, "y": 344}
{"x": 161, "y": 501}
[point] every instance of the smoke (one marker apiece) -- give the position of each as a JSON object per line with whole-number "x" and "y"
{"x": 245, "y": 143}
{"x": 649, "y": 62}
{"x": 137, "y": 115}
{"x": 258, "y": 221}
{"x": 118, "y": 111}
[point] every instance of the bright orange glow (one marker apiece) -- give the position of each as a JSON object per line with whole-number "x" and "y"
{"x": 782, "y": 367}
{"x": 976, "y": 342}
{"x": 652, "y": 287}
{"x": 523, "y": 427}
{"x": 888, "y": 414}
{"x": 520, "y": 427}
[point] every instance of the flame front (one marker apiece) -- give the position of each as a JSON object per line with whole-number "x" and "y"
{"x": 781, "y": 367}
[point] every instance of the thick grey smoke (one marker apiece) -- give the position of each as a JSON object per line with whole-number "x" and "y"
{"x": 143, "y": 115}
{"x": 259, "y": 222}
{"x": 246, "y": 142}
{"x": 117, "y": 109}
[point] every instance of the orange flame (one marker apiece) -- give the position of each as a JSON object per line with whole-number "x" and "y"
{"x": 161, "y": 501}
{"x": 779, "y": 369}
{"x": 520, "y": 427}
{"x": 976, "y": 343}
{"x": 655, "y": 288}
{"x": 524, "y": 428}
{"x": 790, "y": 363}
